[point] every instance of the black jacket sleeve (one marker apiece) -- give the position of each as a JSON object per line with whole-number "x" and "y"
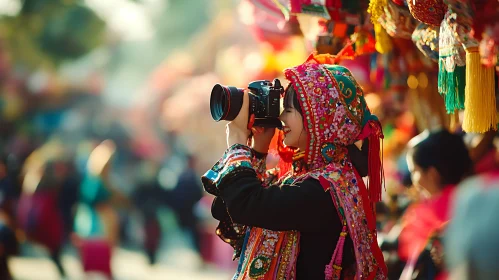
{"x": 303, "y": 206}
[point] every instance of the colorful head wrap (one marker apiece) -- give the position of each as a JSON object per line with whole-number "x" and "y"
{"x": 335, "y": 112}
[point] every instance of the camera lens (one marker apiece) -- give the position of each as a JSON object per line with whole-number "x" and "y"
{"x": 225, "y": 102}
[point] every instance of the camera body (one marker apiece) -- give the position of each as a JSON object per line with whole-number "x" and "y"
{"x": 264, "y": 102}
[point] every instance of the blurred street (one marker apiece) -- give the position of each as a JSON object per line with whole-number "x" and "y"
{"x": 128, "y": 265}
{"x": 107, "y": 124}
{"x": 177, "y": 261}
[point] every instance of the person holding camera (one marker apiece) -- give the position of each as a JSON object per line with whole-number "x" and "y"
{"x": 316, "y": 221}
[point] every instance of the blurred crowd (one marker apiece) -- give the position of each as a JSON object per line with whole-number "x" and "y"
{"x": 81, "y": 187}
{"x": 80, "y": 172}
{"x": 425, "y": 227}
{"x": 83, "y": 172}
{"x": 71, "y": 176}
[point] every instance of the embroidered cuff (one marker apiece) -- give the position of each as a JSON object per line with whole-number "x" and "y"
{"x": 238, "y": 158}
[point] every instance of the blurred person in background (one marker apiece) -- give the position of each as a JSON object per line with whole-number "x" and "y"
{"x": 8, "y": 241}
{"x": 438, "y": 161}
{"x": 148, "y": 197}
{"x": 471, "y": 239}
{"x": 68, "y": 195}
{"x": 39, "y": 215}
{"x": 96, "y": 221}
{"x": 308, "y": 224}
{"x": 183, "y": 198}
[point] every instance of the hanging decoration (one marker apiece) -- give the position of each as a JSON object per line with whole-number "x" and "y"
{"x": 383, "y": 40}
{"x": 377, "y": 9}
{"x": 267, "y": 23}
{"x": 397, "y": 21}
{"x": 430, "y": 12}
{"x": 480, "y": 114}
{"x": 445, "y": 31}
{"x": 486, "y": 30}
{"x": 451, "y": 65}
{"x": 425, "y": 37}
{"x": 333, "y": 23}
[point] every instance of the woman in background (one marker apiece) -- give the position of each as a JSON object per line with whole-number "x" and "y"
{"x": 96, "y": 221}
{"x": 437, "y": 163}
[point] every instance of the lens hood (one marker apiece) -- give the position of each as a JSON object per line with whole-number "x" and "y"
{"x": 225, "y": 102}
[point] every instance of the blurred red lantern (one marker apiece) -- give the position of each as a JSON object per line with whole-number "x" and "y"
{"x": 266, "y": 22}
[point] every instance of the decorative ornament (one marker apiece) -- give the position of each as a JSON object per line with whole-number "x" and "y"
{"x": 397, "y": 21}
{"x": 451, "y": 63}
{"x": 426, "y": 39}
{"x": 259, "y": 266}
{"x": 480, "y": 114}
{"x": 327, "y": 152}
{"x": 430, "y": 12}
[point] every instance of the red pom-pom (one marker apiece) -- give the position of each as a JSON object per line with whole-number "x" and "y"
{"x": 431, "y": 12}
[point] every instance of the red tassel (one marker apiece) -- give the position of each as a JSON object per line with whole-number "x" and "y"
{"x": 341, "y": 242}
{"x": 285, "y": 155}
{"x": 295, "y": 6}
{"x": 375, "y": 169}
{"x": 333, "y": 269}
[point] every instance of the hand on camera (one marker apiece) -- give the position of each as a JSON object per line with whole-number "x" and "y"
{"x": 237, "y": 130}
{"x": 262, "y": 138}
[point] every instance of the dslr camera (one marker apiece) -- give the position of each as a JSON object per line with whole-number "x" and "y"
{"x": 264, "y": 102}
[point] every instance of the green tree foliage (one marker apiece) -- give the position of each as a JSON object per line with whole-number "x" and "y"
{"x": 47, "y": 32}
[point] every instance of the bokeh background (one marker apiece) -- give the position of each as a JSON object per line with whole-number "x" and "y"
{"x": 104, "y": 116}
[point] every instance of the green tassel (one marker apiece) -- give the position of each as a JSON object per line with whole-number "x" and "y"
{"x": 451, "y": 86}
{"x": 442, "y": 78}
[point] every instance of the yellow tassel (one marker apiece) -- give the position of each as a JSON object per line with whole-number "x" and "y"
{"x": 376, "y": 9}
{"x": 480, "y": 113}
{"x": 383, "y": 40}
